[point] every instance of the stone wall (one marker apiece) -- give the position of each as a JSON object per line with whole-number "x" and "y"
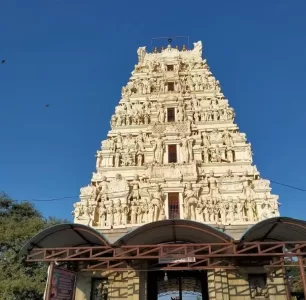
{"x": 222, "y": 285}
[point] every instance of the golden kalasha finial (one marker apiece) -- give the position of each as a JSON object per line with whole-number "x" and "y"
{"x": 162, "y": 48}
{"x": 184, "y": 48}
{"x": 155, "y": 50}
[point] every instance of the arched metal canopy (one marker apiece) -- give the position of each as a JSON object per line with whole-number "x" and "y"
{"x": 276, "y": 229}
{"x": 173, "y": 231}
{"x": 66, "y": 235}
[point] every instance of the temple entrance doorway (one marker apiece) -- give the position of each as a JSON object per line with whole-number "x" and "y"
{"x": 177, "y": 285}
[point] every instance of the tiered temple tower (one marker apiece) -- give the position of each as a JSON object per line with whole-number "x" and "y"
{"x": 174, "y": 152}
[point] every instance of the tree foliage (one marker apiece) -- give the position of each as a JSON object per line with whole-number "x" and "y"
{"x": 18, "y": 223}
{"x": 294, "y": 277}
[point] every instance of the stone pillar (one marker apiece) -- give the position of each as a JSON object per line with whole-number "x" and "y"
{"x": 218, "y": 288}
{"x": 118, "y": 286}
{"x": 133, "y": 286}
{"x": 276, "y": 285}
{"x": 181, "y": 201}
{"x": 166, "y": 206}
{"x": 83, "y": 287}
{"x": 211, "y": 285}
{"x": 239, "y": 286}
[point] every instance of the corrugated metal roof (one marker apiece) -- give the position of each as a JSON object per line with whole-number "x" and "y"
{"x": 277, "y": 229}
{"x": 66, "y": 235}
{"x": 173, "y": 231}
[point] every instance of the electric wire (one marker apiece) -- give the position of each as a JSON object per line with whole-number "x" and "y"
{"x": 140, "y": 188}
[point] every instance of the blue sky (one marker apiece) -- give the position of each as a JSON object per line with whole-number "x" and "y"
{"x": 76, "y": 55}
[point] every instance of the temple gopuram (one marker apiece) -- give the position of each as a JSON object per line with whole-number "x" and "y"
{"x": 176, "y": 208}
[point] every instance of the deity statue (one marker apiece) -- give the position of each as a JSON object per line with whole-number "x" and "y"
{"x": 139, "y": 159}
{"x": 102, "y": 189}
{"x": 190, "y": 149}
{"x": 229, "y": 154}
{"x": 99, "y": 159}
{"x": 250, "y": 207}
{"x": 180, "y": 113}
{"x": 125, "y": 213}
{"x": 199, "y": 211}
{"x": 141, "y": 52}
{"x": 227, "y": 139}
{"x": 117, "y": 158}
{"x": 161, "y": 114}
{"x": 223, "y": 209}
{"x": 190, "y": 202}
{"x": 156, "y": 199}
{"x": 184, "y": 149}
{"x": 102, "y": 214}
{"x": 213, "y": 186}
{"x": 88, "y": 192}
{"x": 119, "y": 141}
{"x": 231, "y": 210}
{"x": 240, "y": 210}
{"x": 129, "y": 142}
{"x": 140, "y": 142}
{"x": 158, "y": 149}
{"x": 90, "y": 212}
{"x": 135, "y": 196}
{"x": 247, "y": 186}
{"x": 110, "y": 214}
{"x": 133, "y": 212}
{"x": 118, "y": 212}
{"x": 77, "y": 212}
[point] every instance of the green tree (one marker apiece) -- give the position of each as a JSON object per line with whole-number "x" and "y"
{"x": 294, "y": 277}
{"x": 18, "y": 223}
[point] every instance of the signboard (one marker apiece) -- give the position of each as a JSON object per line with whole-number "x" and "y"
{"x": 174, "y": 257}
{"x": 61, "y": 284}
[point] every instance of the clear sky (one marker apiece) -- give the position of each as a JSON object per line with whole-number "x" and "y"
{"x": 75, "y": 55}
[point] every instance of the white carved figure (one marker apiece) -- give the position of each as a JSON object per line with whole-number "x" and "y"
{"x": 119, "y": 141}
{"x": 190, "y": 202}
{"x": 99, "y": 159}
{"x": 140, "y": 142}
{"x": 156, "y": 199}
{"x": 139, "y": 159}
{"x": 118, "y": 212}
{"x": 240, "y": 210}
{"x": 158, "y": 149}
{"x": 213, "y": 186}
{"x": 135, "y": 195}
{"x": 180, "y": 113}
{"x": 141, "y": 54}
{"x": 161, "y": 114}
{"x": 184, "y": 149}
{"x": 77, "y": 212}
{"x": 102, "y": 214}
{"x": 190, "y": 142}
{"x": 110, "y": 214}
{"x": 117, "y": 158}
{"x": 102, "y": 189}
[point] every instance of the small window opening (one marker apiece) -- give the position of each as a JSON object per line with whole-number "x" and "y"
{"x": 172, "y": 154}
{"x": 171, "y": 115}
{"x": 170, "y": 86}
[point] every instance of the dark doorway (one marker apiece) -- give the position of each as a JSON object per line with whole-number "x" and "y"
{"x": 178, "y": 285}
{"x": 173, "y": 206}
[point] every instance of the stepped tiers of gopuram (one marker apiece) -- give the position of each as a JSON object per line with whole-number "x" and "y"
{"x": 174, "y": 152}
